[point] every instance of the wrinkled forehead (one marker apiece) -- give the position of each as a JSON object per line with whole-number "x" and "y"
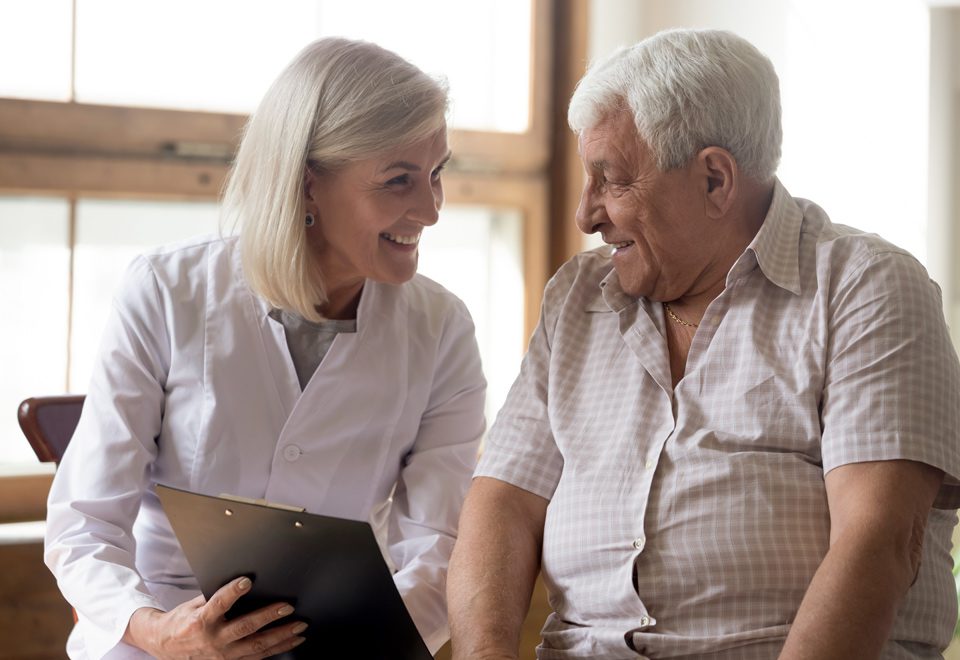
{"x": 613, "y": 138}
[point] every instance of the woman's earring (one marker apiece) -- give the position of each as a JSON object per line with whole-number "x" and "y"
{"x": 311, "y": 221}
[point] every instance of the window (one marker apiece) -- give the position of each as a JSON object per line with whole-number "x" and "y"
{"x": 35, "y": 268}
{"x": 36, "y": 35}
{"x": 475, "y": 252}
{"x": 483, "y": 50}
{"x": 108, "y": 235}
{"x": 103, "y": 156}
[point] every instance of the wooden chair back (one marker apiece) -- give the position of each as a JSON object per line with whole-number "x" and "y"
{"x": 48, "y": 423}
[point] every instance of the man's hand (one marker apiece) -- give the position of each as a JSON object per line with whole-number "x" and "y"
{"x": 198, "y": 629}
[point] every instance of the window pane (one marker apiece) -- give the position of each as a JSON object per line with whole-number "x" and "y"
{"x": 222, "y": 54}
{"x": 210, "y": 55}
{"x": 109, "y": 235}
{"x": 34, "y": 267}
{"x": 482, "y": 48}
{"x": 476, "y": 253}
{"x": 35, "y": 49}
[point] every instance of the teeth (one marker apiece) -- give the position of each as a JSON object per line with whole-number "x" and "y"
{"x": 402, "y": 240}
{"x": 622, "y": 244}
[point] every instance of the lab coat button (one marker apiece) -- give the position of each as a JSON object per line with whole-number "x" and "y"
{"x": 291, "y": 453}
{"x": 639, "y": 543}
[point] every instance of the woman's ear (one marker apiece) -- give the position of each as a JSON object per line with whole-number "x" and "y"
{"x": 720, "y": 178}
{"x": 309, "y": 181}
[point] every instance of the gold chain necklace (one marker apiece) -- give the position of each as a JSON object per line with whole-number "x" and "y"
{"x": 676, "y": 318}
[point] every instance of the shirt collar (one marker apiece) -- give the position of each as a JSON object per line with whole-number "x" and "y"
{"x": 609, "y": 296}
{"x": 776, "y": 246}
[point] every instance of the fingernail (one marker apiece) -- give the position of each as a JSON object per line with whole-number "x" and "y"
{"x": 244, "y": 584}
{"x": 299, "y": 628}
{"x": 285, "y": 610}
{"x": 298, "y": 641}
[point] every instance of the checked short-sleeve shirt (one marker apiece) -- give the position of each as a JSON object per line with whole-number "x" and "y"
{"x": 688, "y": 522}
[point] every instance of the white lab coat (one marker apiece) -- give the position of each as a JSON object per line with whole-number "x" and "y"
{"x": 195, "y": 388}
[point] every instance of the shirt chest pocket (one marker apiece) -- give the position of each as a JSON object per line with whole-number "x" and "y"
{"x": 759, "y": 409}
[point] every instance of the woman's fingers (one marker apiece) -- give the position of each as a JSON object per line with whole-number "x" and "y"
{"x": 223, "y": 599}
{"x": 271, "y": 642}
{"x": 242, "y": 635}
{"x": 246, "y": 625}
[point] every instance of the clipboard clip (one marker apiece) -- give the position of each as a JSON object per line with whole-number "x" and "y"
{"x": 261, "y": 502}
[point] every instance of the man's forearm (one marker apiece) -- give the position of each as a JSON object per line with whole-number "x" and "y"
{"x": 878, "y": 513}
{"x": 850, "y": 606}
{"x": 493, "y": 569}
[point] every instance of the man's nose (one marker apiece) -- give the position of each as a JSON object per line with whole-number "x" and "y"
{"x": 588, "y": 220}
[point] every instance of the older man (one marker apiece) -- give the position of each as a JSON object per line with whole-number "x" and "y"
{"x": 734, "y": 434}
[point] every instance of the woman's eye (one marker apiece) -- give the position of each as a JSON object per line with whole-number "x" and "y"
{"x": 435, "y": 174}
{"x": 401, "y": 180}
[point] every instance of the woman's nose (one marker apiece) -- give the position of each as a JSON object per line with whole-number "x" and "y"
{"x": 426, "y": 208}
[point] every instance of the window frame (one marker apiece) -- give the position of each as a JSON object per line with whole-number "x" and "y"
{"x": 71, "y": 150}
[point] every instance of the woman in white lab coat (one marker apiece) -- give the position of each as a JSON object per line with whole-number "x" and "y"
{"x": 302, "y": 362}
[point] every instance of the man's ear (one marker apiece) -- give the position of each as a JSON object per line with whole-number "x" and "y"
{"x": 720, "y": 178}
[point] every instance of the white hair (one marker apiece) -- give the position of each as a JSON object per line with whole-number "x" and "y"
{"x": 337, "y": 102}
{"x": 687, "y": 90}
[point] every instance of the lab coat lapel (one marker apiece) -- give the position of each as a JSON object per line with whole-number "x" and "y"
{"x": 347, "y": 412}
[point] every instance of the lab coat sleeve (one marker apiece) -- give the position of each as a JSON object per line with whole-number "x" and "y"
{"x": 97, "y": 490}
{"x": 435, "y": 477}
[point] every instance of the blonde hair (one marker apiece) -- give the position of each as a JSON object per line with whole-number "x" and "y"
{"x": 337, "y": 102}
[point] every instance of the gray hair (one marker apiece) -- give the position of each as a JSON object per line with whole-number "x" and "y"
{"x": 687, "y": 90}
{"x": 338, "y": 101}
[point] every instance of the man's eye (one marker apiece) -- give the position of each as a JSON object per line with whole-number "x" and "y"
{"x": 435, "y": 174}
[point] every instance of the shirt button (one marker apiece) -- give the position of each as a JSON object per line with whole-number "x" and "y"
{"x": 644, "y": 621}
{"x": 291, "y": 453}
{"x": 639, "y": 543}
{"x": 649, "y": 464}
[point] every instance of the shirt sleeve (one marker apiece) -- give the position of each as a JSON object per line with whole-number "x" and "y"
{"x": 434, "y": 479}
{"x": 96, "y": 493}
{"x": 892, "y": 379}
{"x": 520, "y": 448}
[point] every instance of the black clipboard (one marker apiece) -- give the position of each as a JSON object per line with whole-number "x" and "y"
{"x": 330, "y": 569}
